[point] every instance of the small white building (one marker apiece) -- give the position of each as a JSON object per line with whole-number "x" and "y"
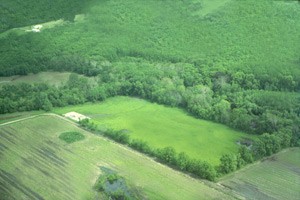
{"x": 75, "y": 116}
{"x": 37, "y": 28}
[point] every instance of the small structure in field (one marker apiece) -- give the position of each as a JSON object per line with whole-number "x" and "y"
{"x": 75, "y": 116}
{"x": 37, "y": 28}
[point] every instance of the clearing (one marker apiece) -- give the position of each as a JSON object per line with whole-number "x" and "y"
{"x": 52, "y": 78}
{"x": 162, "y": 126}
{"x": 36, "y": 164}
{"x": 210, "y": 6}
{"x": 277, "y": 177}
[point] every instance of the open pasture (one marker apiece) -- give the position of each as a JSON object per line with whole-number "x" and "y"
{"x": 36, "y": 164}
{"x": 163, "y": 126}
{"x": 277, "y": 177}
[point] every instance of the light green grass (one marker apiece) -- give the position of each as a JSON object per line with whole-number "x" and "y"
{"x": 162, "y": 126}
{"x": 36, "y": 163}
{"x": 209, "y": 6}
{"x": 52, "y": 78}
{"x": 277, "y": 177}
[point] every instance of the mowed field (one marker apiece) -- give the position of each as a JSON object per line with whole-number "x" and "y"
{"x": 4, "y": 118}
{"x": 163, "y": 126}
{"x": 36, "y": 164}
{"x": 277, "y": 177}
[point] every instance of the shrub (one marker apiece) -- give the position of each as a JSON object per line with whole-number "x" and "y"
{"x": 228, "y": 164}
{"x": 70, "y": 137}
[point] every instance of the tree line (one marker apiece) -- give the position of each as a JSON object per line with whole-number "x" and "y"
{"x": 216, "y": 96}
{"x": 180, "y": 161}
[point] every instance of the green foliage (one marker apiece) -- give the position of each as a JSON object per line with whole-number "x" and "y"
{"x": 271, "y": 143}
{"x": 56, "y": 169}
{"x": 85, "y": 123}
{"x": 141, "y": 146}
{"x": 153, "y": 26}
{"x": 201, "y": 169}
{"x": 115, "y": 187}
{"x": 100, "y": 183}
{"x": 228, "y": 164}
{"x": 167, "y": 155}
{"x": 245, "y": 154}
{"x": 71, "y": 137}
{"x": 23, "y": 13}
{"x": 249, "y": 85}
{"x": 160, "y": 126}
{"x": 183, "y": 161}
{"x": 118, "y": 136}
{"x": 106, "y": 179}
{"x": 278, "y": 170}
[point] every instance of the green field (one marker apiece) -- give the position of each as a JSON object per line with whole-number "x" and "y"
{"x": 51, "y": 78}
{"x": 277, "y": 177}
{"x": 18, "y": 116}
{"x": 199, "y": 76}
{"x": 36, "y": 164}
{"x": 162, "y": 126}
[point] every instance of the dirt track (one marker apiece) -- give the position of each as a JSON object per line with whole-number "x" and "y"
{"x": 34, "y": 116}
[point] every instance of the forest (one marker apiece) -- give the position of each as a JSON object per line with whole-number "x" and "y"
{"x": 23, "y": 13}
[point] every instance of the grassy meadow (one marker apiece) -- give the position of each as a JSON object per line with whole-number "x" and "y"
{"x": 36, "y": 164}
{"x": 163, "y": 126}
{"x": 277, "y": 177}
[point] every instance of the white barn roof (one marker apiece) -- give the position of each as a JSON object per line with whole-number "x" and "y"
{"x": 76, "y": 116}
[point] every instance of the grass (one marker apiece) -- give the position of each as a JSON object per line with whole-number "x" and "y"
{"x": 35, "y": 163}
{"x": 162, "y": 126}
{"x": 17, "y": 115}
{"x": 52, "y": 78}
{"x": 277, "y": 177}
{"x": 70, "y": 137}
{"x": 211, "y": 6}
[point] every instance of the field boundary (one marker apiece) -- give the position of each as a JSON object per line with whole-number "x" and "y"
{"x": 212, "y": 185}
{"x": 249, "y": 166}
{"x": 254, "y": 177}
{"x": 39, "y": 115}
